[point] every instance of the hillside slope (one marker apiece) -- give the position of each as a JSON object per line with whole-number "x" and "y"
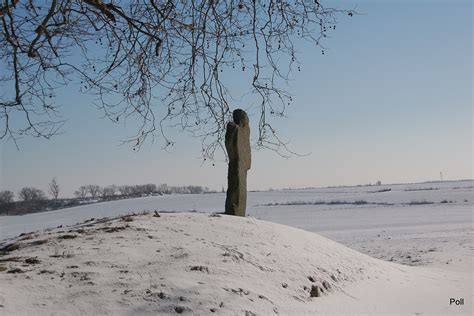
{"x": 200, "y": 264}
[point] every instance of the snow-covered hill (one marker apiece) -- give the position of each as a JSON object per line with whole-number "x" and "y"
{"x": 202, "y": 264}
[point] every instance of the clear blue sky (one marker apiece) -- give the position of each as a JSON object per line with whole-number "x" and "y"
{"x": 390, "y": 100}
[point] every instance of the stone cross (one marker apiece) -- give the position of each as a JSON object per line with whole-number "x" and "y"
{"x": 237, "y": 144}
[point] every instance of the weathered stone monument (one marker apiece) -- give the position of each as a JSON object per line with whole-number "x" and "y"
{"x": 237, "y": 144}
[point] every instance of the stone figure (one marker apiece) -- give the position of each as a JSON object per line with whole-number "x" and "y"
{"x": 237, "y": 144}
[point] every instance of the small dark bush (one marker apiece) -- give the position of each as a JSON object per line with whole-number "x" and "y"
{"x": 420, "y": 202}
{"x": 381, "y": 190}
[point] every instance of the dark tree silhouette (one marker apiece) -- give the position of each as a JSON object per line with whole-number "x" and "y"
{"x": 108, "y": 191}
{"x": 31, "y": 194}
{"x": 54, "y": 188}
{"x": 81, "y": 192}
{"x": 93, "y": 190}
{"x": 6, "y": 197}
{"x": 160, "y": 62}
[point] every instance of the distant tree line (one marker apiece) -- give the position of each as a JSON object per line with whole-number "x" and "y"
{"x": 31, "y": 199}
{"x": 114, "y": 191}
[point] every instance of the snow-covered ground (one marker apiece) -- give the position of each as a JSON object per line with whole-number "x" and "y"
{"x": 390, "y": 226}
{"x": 427, "y": 225}
{"x": 199, "y": 264}
{"x": 438, "y": 234}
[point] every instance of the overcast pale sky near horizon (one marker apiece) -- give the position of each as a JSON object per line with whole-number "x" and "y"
{"x": 390, "y": 100}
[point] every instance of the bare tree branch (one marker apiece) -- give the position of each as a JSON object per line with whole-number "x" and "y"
{"x": 159, "y": 62}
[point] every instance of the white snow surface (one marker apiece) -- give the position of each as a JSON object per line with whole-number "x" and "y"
{"x": 438, "y": 234}
{"x": 199, "y": 264}
{"x": 427, "y": 254}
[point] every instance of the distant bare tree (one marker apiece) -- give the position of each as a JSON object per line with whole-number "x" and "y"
{"x": 81, "y": 192}
{"x": 143, "y": 189}
{"x": 109, "y": 191}
{"x": 125, "y": 190}
{"x": 94, "y": 190}
{"x": 156, "y": 61}
{"x": 164, "y": 189}
{"x": 54, "y": 188}
{"x": 136, "y": 189}
{"x": 149, "y": 188}
{"x": 31, "y": 194}
{"x": 6, "y": 197}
